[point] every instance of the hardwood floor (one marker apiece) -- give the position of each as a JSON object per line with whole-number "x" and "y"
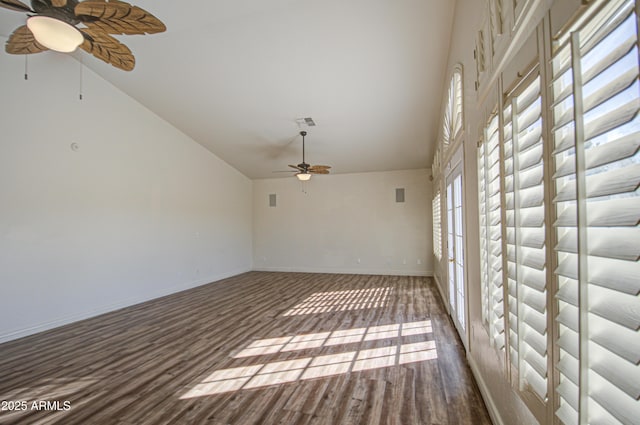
{"x": 259, "y": 348}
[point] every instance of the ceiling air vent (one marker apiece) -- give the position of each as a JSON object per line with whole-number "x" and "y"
{"x": 305, "y": 121}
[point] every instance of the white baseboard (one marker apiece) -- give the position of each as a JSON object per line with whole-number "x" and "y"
{"x": 127, "y": 302}
{"x": 332, "y": 270}
{"x": 486, "y": 394}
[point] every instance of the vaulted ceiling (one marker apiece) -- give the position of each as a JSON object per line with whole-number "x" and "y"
{"x": 235, "y": 75}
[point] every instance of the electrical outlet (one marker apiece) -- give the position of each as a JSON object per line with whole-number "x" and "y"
{"x": 419, "y": 261}
{"x": 358, "y": 261}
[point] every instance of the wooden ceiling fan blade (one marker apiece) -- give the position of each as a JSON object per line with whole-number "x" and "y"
{"x": 107, "y": 48}
{"x": 296, "y": 167}
{"x": 59, "y": 3}
{"x": 118, "y": 17}
{"x": 319, "y": 169}
{"x": 22, "y": 42}
{"x": 16, "y": 5}
{"x": 284, "y": 171}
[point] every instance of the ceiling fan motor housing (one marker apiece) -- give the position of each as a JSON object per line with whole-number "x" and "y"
{"x": 65, "y": 14}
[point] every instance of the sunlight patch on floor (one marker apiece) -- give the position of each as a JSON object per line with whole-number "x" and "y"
{"x": 340, "y": 337}
{"x": 355, "y": 299}
{"x": 321, "y": 366}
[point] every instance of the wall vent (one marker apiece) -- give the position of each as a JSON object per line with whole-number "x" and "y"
{"x": 400, "y": 194}
{"x": 272, "y": 199}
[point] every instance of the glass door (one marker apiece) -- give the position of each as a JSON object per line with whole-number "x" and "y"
{"x": 455, "y": 250}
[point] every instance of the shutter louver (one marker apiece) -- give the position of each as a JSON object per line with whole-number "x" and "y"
{"x": 596, "y": 133}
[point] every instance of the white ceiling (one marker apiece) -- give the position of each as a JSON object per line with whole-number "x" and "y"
{"x": 236, "y": 74}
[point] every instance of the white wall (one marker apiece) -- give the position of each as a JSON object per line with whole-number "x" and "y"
{"x": 344, "y": 223}
{"x": 138, "y": 211}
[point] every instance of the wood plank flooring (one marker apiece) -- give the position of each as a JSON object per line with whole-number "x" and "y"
{"x": 259, "y": 348}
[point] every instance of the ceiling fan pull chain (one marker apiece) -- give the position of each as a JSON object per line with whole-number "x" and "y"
{"x": 81, "y": 68}
{"x": 26, "y": 67}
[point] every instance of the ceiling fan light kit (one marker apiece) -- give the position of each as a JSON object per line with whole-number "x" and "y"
{"x": 303, "y": 176}
{"x": 55, "y": 34}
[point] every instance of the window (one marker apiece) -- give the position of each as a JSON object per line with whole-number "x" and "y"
{"x": 559, "y": 223}
{"x": 484, "y": 239}
{"x": 437, "y": 229}
{"x": 497, "y": 22}
{"x": 455, "y": 249}
{"x": 594, "y": 155}
{"x": 512, "y": 237}
{"x": 596, "y": 138}
{"x": 491, "y": 233}
{"x": 525, "y": 236}
{"x": 480, "y": 58}
{"x": 452, "y": 123}
{"x": 435, "y": 165}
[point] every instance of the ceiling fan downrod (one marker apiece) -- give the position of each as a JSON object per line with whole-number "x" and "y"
{"x": 304, "y": 163}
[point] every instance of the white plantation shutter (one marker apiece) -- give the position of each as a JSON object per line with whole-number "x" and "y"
{"x": 512, "y": 287}
{"x": 525, "y": 217}
{"x": 596, "y": 138}
{"x": 437, "y": 229}
{"x": 494, "y": 211}
{"x": 491, "y": 232}
{"x": 483, "y": 231}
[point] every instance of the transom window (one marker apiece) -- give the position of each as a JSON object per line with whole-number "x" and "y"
{"x": 452, "y": 123}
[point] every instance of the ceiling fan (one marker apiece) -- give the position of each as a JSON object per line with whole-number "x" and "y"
{"x": 64, "y": 25}
{"x": 303, "y": 170}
